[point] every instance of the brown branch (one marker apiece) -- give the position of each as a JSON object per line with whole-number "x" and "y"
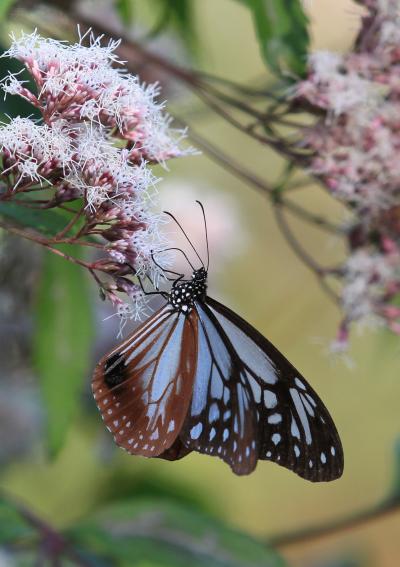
{"x": 358, "y": 519}
{"x": 256, "y": 182}
{"x": 319, "y": 271}
{"x": 71, "y": 223}
{"x": 39, "y": 239}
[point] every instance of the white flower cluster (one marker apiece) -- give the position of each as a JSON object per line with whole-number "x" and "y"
{"x": 100, "y": 131}
{"x": 354, "y": 146}
{"x": 367, "y": 273}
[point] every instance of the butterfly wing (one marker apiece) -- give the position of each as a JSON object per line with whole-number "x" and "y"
{"x": 294, "y": 428}
{"x": 222, "y": 420}
{"x": 143, "y": 387}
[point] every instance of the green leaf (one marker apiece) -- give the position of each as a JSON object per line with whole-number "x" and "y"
{"x": 178, "y": 14}
{"x": 150, "y": 532}
{"x": 45, "y": 221}
{"x": 182, "y": 16}
{"x": 63, "y": 340}
{"x": 125, "y": 11}
{"x": 281, "y": 28}
{"x": 13, "y": 527}
{"x": 14, "y": 105}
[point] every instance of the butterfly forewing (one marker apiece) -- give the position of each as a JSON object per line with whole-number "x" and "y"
{"x": 222, "y": 420}
{"x": 294, "y": 428}
{"x": 143, "y": 387}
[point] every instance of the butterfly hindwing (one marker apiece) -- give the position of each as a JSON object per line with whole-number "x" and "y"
{"x": 143, "y": 387}
{"x": 222, "y": 419}
{"x": 294, "y": 428}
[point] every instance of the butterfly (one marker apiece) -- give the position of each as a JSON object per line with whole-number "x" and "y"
{"x": 195, "y": 376}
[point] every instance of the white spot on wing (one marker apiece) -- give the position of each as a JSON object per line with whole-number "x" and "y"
{"x": 270, "y": 399}
{"x": 299, "y": 383}
{"x": 217, "y": 386}
{"x": 307, "y": 405}
{"x": 275, "y": 418}
{"x": 294, "y": 430}
{"x": 256, "y": 388}
{"x": 302, "y": 414}
{"x": 213, "y": 413}
{"x": 195, "y": 432}
{"x": 276, "y": 438}
{"x": 154, "y": 435}
{"x": 226, "y": 395}
{"x": 311, "y": 400}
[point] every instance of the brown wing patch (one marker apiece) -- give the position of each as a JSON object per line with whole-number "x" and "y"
{"x": 144, "y": 386}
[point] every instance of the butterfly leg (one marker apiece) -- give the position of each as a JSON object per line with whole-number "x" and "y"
{"x": 180, "y": 276}
{"x": 163, "y": 293}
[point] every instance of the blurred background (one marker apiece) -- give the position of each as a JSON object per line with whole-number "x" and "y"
{"x": 254, "y": 272}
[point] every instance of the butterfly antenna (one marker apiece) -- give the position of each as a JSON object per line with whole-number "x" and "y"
{"x": 187, "y": 238}
{"x": 183, "y": 254}
{"x": 206, "y": 231}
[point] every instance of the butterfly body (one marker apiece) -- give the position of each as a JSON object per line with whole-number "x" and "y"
{"x": 197, "y": 377}
{"x": 185, "y": 293}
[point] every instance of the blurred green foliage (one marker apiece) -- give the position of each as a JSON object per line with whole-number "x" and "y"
{"x": 62, "y": 341}
{"x": 5, "y": 7}
{"x": 125, "y": 11}
{"x": 130, "y": 533}
{"x": 175, "y": 15}
{"x": 282, "y": 31}
{"x": 13, "y": 527}
{"x": 281, "y": 27}
{"x": 168, "y": 534}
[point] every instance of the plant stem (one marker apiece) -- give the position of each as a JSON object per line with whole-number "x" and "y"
{"x": 319, "y": 271}
{"x": 54, "y": 544}
{"x": 71, "y": 223}
{"x": 44, "y": 242}
{"x": 256, "y": 182}
{"x": 376, "y": 512}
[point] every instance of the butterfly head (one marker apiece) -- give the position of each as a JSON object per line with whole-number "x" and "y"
{"x": 184, "y": 293}
{"x": 200, "y": 275}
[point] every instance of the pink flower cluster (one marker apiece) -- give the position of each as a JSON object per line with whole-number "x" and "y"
{"x": 100, "y": 132}
{"x": 355, "y": 146}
